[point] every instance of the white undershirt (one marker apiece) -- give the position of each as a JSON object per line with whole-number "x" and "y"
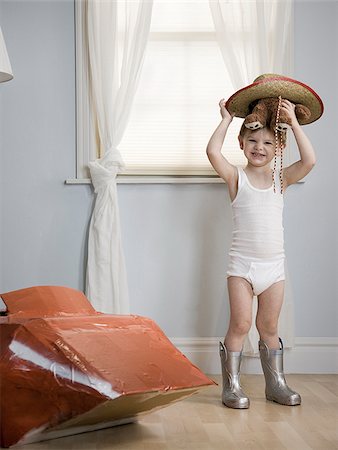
{"x": 257, "y": 221}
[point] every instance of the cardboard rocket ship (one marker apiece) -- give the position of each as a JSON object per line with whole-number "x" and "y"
{"x": 67, "y": 369}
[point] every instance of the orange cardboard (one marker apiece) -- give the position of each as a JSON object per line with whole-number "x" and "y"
{"x": 66, "y": 368}
{"x": 46, "y": 301}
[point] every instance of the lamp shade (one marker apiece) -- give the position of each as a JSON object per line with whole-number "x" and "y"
{"x": 5, "y": 66}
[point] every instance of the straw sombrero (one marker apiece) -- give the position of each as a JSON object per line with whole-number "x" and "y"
{"x": 273, "y": 85}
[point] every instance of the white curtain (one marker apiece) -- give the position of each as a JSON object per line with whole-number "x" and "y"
{"x": 255, "y": 37}
{"x": 117, "y": 33}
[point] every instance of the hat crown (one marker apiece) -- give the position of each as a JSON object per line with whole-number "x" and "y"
{"x": 266, "y": 76}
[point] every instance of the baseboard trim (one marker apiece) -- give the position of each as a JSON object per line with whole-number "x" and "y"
{"x": 317, "y": 355}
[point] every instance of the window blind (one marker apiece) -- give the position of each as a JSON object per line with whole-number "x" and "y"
{"x": 175, "y": 108}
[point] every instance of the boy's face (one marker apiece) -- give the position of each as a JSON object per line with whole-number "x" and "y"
{"x": 258, "y": 146}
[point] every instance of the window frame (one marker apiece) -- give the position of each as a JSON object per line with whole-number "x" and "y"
{"x": 86, "y": 137}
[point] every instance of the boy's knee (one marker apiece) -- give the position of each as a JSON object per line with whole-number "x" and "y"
{"x": 267, "y": 327}
{"x": 241, "y": 327}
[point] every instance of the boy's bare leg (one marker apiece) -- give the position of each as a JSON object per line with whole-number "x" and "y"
{"x": 240, "y": 298}
{"x": 269, "y": 307}
{"x": 271, "y": 355}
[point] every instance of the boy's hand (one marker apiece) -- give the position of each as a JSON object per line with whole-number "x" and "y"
{"x": 290, "y": 109}
{"x": 224, "y": 112}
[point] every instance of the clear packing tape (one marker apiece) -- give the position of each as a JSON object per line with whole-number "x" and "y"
{"x": 67, "y": 369}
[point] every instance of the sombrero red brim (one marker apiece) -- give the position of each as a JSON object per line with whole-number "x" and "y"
{"x": 294, "y": 91}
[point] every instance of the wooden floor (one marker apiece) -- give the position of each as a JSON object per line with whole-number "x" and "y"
{"x": 201, "y": 422}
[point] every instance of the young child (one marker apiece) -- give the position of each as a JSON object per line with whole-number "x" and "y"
{"x": 256, "y": 258}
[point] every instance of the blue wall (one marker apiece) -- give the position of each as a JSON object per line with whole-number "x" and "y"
{"x": 175, "y": 236}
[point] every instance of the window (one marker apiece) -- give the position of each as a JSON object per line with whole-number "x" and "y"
{"x": 176, "y": 104}
{"x": 175, "y": 109}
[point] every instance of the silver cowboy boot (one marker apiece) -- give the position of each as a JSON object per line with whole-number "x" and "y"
{"x": 232, "y": 394}
{"x": 276, "y": 388}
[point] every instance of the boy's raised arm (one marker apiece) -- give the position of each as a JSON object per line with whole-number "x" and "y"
{"x": 221, "y": 165}
{"x": 301, "y": 168}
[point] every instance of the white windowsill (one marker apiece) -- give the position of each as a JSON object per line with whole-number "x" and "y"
{"x": 153, "y": 179}
{"x": 159, "y": 179}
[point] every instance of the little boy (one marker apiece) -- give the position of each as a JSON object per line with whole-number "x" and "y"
{"x": 256, "y": 265}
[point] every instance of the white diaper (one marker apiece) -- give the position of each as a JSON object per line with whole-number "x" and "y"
{"x": 261, "y": 274}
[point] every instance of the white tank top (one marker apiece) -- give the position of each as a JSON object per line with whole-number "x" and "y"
{"x": 257, "y": 221}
